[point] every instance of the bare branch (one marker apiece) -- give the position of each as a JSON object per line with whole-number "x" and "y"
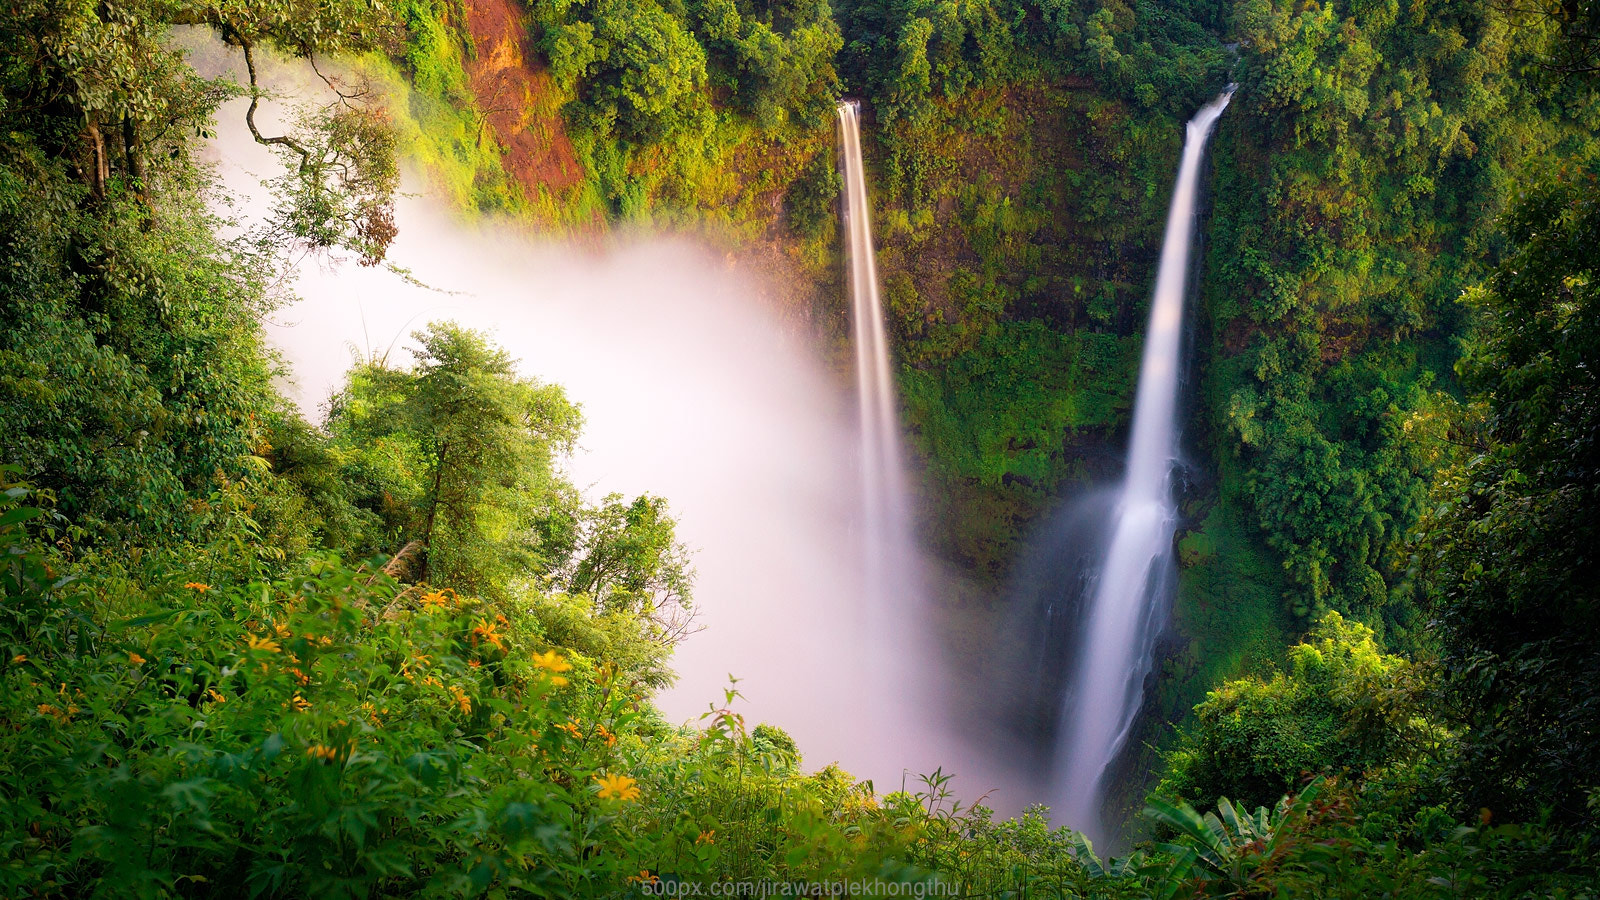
{"x": 250, "y": 114}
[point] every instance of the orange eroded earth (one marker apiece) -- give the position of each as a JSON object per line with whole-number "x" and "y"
{"x": 517, "y": 100}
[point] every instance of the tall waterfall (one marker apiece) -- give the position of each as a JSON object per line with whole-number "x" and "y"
{"x": 1122, "y": 620}
{"x": 883, "y": 487}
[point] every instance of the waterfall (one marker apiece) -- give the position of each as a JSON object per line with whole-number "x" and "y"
{"x": 883, "y": 487}
{"x": 1122, "y": 620}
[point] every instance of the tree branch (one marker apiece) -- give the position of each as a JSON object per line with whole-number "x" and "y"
{"x": 250, "y": 114}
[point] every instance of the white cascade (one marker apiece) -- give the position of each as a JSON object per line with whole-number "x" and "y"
{"x": 1122, "y": 619}
{"x": 884, "y": 507}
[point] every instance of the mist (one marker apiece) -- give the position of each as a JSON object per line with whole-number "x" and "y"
{"x": 693, "y": 387}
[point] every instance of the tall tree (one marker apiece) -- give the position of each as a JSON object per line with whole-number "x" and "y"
{"x": 1512, "y": 547}
{"x": 462, "y": 453}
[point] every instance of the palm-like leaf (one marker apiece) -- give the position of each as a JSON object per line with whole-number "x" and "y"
{"x": 1226, "y": 846}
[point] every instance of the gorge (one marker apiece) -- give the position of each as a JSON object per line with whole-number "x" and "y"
{"x": 874, "y": 447}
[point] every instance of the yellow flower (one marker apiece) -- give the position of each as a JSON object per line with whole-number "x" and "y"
{"x": 19, "y": 659}
{"x": 462, "y": 700}
{"x": 619, "y": 786}
{"x": 216, "y": 697}
{"x": 644, "y": 877}
{"x": 300, "y": 703}
{"x": 282, "y": 631}
{"x": 551, "y": 661}
{"x": 322, "y": 752}
{"x": 197, "y": 586}
{"x": 267, "y": 644}
{"x": 433, "y": 598}
{"x": 707, "y": 837}
{"x": 135, "y": 659}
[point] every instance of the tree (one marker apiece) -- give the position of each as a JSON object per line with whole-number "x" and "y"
{"x": 133, "y": 375}
{"x": 1341, "y": 707}
{"x": 461, "y": 454}
{"x": 122, "y": 102}
{"x": 640, "y": 72}
{"x": 1511, "y": 549}
{"x": 630, "y": 560}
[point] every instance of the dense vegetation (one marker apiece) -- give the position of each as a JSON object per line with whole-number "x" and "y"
{"x": 395, "y": 652}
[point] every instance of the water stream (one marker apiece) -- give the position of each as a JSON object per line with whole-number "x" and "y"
{"x": 883, "y": 484}
{"x": 1135, "y": 579}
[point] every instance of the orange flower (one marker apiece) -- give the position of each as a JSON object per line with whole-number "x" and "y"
{"x": 216, "y": 697}
{"x": 606, "y": 735}
{"x": 619, "y": 786}
{"x": 322, "y": 752}
{"x": 197, "y": 586}
{"x": 135, "y": 659}
{"x": 19, "y": 659}
{"x": 462, "y": 700}
{"x": 62, "y": 716}
{"x": 706, "y": 837}
{"x": 473, "y": 664}
{"x": 485, "y": 631}
{"x": 299, "y": 703}
{"x": 572, "y": 730}
{"x": 301, "y": 677}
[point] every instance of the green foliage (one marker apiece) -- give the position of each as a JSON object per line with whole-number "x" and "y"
{"x": 662, "y": 99}
{"x": 453, "y": 466}
{"x": 1341, "y": 707}
{"x": 809, "y": 202}
{"x": 1005, "y": 417}
{"x": 132, "y": 372}
{"x": 1508, "y": 547}
{"x": 462, "y": 452}
{"x": 1228, "y": 851}
{"x": 631, "y": 560}
{"x": 1361, "y": 168}
{"x": 1326, "y": 841}
{"x": 332, "y": 731}
{"x": 135, "y": 375}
